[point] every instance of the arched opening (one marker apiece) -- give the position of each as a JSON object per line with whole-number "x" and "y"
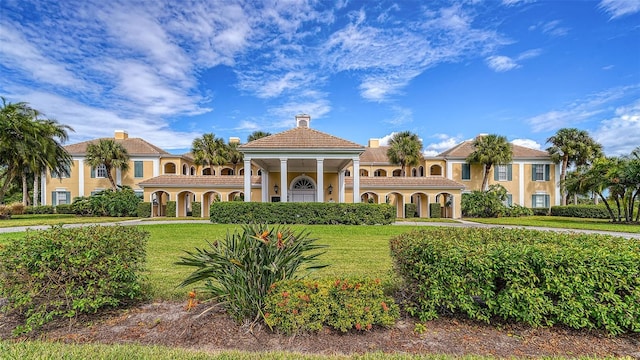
{"x": 380, "y": 173}
{"x": 192, "y": 171}
{"x": 421, "y": 200}
{"x": 370, "y": 198}
{"x": 364, "y": 172}
{"x": 235, "y": 196}
{"x": 226, "y": 171}
{"x": 184, "y": 200}
{"x": 185, "y": 169}
{"x": 169, "y": 168}
{"x": 396, "y": 173}
{"x": 207, "y": 199}
{"x": 208, "y": 171}
{"x": 414, "y": 172}
{"x": 159, "y": 203}
{"x": 302, "y": 189}
{"x": 447, "y": 204}
{"x": 435, "y": 170}
{"x": 347, "y": 173}
{"x": 397, "y": 200}
{"x": 241, "y": 172}
{"x": 421, "y": 170}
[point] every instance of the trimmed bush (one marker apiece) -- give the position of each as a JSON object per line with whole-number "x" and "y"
{"x": 435, "y": 210}
{"x": 119, "y": 203}
{"x": 342, "y": 304}
{"x": 63, "y": 272}
{"x": 410, "y": 210}
{"x": 170, "y": 209}
{"x": 144, "y": 210}
{"x": 534, "y": 277}
{"x": 39, "y": 210}
{"x": 5, "y": 212}
{"x": 516, "y": 210}
{"x": 64, "y": 209}
{"x": 583, "y": 211}
{"x": 231, "y": 212}
{"x": 17, "y": 208}
{"x": 196, "y": 209}
{"x": 239, "y": 270}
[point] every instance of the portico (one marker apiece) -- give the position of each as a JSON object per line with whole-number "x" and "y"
{"x": 302, "y": 165}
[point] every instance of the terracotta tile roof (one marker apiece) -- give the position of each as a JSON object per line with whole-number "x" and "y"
{"x": 134, "y": 146}
{"x": 465, "y": 148}
{"x": 300, "y": 138}
{"x": 375, "y": 155}
{"x": 198, "y": 181}
{"x": 427, "y": 182}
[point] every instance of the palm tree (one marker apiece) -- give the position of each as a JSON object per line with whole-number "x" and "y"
{"x": 490, "y": 150}
{"x": 209, "y": 150}
{"x": 405, "y": 149}
{"x": 257, "y": 135}
{"x": 572, "y": 146}
{"x": 109, "y": 153}
{"x": 53, "y": 156}
{"x": 234, "y": 156}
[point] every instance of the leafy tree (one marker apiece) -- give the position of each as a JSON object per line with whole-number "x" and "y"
{"x": 234, "y": 156}
{"x": 209, "y": 150}
{"x": 572, "y": 146}
{"x": 405, "y": 149}
{"x": 257, "y": 135}
{"x": 109, "y": 153}
{"x": 490, "y": 150}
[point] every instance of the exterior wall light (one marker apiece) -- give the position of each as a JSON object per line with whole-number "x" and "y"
{"x": 275, "y": 188}
{"x": 330, "y": 189}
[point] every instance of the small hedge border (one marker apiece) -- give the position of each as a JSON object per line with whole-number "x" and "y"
{"x": 343, "y": 304}
{"x": 64, "y": 272}
{"x": 170, "y": 210}
{"x": 435, "y": 211}
{"x": 236, "y": 212}
{"x": 144, "y": 209}
{"x": 583, "y": 211}
{"x": 535, "y": 277}
{"x": 196, "y": 209}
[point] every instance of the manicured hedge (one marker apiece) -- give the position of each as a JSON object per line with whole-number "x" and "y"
{"x": 534, "y": 277}
{"x": 435, "y": 210}
{"x": 196, "y": 209}
{"x": 171, "y": 209}
{"x": 64, "y": 209}
{"x": 144, "y": 210}
{"x": 63, "y": 272}
{"x": 342, "y": 304}
{"x": 236, "y": 212}
{"x": 410, "y": 210}
{"x": 42, "y": 209}
{"x": 583, "y": 211}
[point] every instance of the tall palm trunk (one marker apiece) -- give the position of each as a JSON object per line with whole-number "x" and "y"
{"x": 36, "y": 189}
{"x": 485, "y": 179}
{"x": 25, "y": 189}
{"x": 563, "y": 175}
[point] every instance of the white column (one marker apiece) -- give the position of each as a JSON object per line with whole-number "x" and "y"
{"x": 356, "y": 180}
{"x": 80, "y": 177}
{"x": 521, "y": 183}
{"x": 118, "y": 177}
{"x": 265, "y": 185}
{"x": 247, "y": 180}
{"x": 283, "y": 180}
{"x": 341, "y": 186}
{"x": 449, "y": 170}
{"x": 557, "y": 183}
{"x": 320, "y": 179}
{"x": 156, "y": 167}
{"x": 43, "y": 188}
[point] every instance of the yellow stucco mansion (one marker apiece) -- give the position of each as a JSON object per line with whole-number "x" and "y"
{"x": 306, "y": 165}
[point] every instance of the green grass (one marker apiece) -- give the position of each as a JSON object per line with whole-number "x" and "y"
{"x": 41, "y": 350}
{"x": 353, "y": 250}
{"x": 55, "y": 219}
{"x": 561, "y": 222}
{"x": 438, "y": 220}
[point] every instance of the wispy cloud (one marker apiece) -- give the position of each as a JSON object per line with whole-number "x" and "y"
{"x": 618, "y": 8}
{"x": 552, "y": 28}
{"x": 402, "y": 115}
{"x": 620, "y": 134}
{"x": 528, "y": 143}
{"x": 441, "y": 143}
{"x": 501, "y": 63}
{"x": 581, "y": 110}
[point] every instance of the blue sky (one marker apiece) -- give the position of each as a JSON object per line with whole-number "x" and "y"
{"x": 171, "y": 71}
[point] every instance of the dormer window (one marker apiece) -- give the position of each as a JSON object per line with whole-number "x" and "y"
{"x": 303, "y": 120}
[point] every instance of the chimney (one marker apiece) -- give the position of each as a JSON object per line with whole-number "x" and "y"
{"x": 374, "y": 143}
{"x": 234, "y": 140}
{"x": 303, "y": 120}
{"x": 121, "y": 135}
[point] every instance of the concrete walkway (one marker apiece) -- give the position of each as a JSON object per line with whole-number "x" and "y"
{"x": 460, "y": 223}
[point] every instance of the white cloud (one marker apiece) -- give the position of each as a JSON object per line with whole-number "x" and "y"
{"x": 580, "y": 110}
{"x": 551, "y": 28}
{"x": 443, "y": 142}
{"x": 528, "y": 143}
{"x": 620, "y": 134}
{"x": 401, "y": 116}
{"x": 618, "y": 8}
{"x": 501, "y": 63}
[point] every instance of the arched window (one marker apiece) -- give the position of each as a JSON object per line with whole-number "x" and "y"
{"x": 208, "y": 171}
{"x": 414, "y": 172}
{"x": 170, "y": 168}
{"x": 192, "y": 170}
{"x": 421, "y": 170}
{"x": 184, "y": 169}
{"x": 364, "y": 172}
{"x": 303, "y": 184}
{"x": 347, "y": 173}
{"x": 435, "y": 170}
{"x": 380, "y": 173}
{"x": 396, "y": 173}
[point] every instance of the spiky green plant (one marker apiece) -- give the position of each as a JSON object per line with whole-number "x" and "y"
{"x": 238, "y": 271}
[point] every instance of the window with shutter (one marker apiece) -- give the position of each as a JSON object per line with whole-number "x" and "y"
{"x": 138, "y": 169}
{"x": 466, "y": 171}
